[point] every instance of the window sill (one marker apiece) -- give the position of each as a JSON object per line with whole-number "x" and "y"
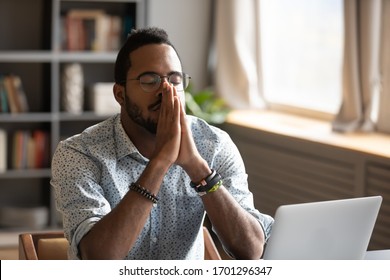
{"x": 309, "y": 129}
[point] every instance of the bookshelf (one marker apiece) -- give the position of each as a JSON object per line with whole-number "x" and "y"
{"x": 35, "y": 47}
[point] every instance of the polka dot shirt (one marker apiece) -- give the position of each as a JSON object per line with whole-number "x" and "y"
{"x": 92, "y": 171}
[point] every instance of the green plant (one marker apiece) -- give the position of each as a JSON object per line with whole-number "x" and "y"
{"x": 205, "y": 105}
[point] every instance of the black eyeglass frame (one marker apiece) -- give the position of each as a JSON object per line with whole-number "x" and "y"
{"x": 185, "y": 80}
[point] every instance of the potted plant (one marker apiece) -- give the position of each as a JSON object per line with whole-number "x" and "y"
{"x": 205, "y": 105}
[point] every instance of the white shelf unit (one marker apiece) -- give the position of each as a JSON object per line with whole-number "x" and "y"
{"x": 30, "y": 47}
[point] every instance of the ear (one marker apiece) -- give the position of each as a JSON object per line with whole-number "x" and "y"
{"x": 119, "y": 93}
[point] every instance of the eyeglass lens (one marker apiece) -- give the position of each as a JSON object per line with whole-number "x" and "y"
{"x": 151, "y": 82}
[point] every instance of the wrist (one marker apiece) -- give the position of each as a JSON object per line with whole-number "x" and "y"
{"x": 197, "y": 170}
{"x": 207, "y": 185}
{"x": 152, "y": 176}
{"x": 159, "y": 166}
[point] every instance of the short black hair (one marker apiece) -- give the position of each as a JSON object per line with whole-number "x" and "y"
{"x": 136, "y": 39}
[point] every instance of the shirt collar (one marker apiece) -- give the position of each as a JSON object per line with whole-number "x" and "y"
{"x": 124, "y": 146}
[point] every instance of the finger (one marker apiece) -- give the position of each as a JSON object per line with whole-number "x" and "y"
{"x": 174, "y": 91}
{"x": 183, "y": 115}
{"x": 176, "y": 109}
{"x": 170, "y": 111}
{"x": 169, "y": 94}
{"x": 166, "y": 101}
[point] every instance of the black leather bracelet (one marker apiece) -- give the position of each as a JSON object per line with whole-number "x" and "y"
{"x": 210, "y": 184}
{"x": 204, "y": 181}
{"x": 207, "y": 183}
{"x": 144, "y": 192}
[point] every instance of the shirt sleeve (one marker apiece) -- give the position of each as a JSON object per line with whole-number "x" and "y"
{"x": 230, "y": 165}
{"x": 78, "y": 195}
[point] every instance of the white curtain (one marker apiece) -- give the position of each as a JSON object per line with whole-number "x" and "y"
{"x": 366, "y": 68}
{"x": 238, "y": 62}
{"x": 383, "y": 123}
{"x": 361, "y": 69}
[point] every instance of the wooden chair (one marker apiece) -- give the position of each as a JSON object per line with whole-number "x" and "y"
{"x": 43, "y": 246}
{"x": 210, "y": 251}
{"x": 54, "y": 246}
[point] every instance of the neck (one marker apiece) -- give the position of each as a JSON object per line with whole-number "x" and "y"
{"x": 142, "y": 139}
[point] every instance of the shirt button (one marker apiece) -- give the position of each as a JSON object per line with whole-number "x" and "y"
{"x": 154, "y": 239}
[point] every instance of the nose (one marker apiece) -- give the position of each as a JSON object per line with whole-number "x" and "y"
{"x": 160, "y": 88}
{"x": 164, "y": 79}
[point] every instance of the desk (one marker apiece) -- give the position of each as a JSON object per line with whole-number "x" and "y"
{"x": 378, "y": 255}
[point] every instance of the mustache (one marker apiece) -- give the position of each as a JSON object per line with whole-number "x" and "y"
{"x": 155, "y": 104}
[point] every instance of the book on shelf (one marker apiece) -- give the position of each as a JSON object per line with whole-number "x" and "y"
{"x": 19, "y": 142}
{"x": 41, "y": 146}
{"x": 3, "y": 97}
{"x": 3, "y": 150}
{"x": 30, "y": 149}
{"x": 91, "y": 30}
{"x": 20, "y": 93}
{"x": 12, "y": 95}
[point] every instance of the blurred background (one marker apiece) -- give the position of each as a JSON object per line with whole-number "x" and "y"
{"x": 302, "y": 87}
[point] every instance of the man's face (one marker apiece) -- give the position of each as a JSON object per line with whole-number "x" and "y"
{"x": 143, "y": 108}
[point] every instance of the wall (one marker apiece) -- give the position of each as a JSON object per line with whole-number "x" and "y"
{"x": 287, "y": 170}
{"x": 188, "y": 25}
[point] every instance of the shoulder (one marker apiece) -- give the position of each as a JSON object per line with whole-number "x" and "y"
{"x": 100, "y": 134}
{"x": 211, "y": 140}
{"x": 203, "y": 130}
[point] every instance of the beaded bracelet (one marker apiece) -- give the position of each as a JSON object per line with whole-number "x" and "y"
{"x": 144, "y": 192}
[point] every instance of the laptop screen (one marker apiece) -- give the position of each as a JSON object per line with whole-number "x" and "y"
{"x": 326, "y": 230}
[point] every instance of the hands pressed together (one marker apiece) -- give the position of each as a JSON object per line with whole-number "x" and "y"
{"x": 174, "y": 141}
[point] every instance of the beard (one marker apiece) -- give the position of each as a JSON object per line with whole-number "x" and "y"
{"x": 135, "y": 114}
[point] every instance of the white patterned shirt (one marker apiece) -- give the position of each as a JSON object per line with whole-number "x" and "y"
{"x": 92, "y": 172}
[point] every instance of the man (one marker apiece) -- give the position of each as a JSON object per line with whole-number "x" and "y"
{"x": 138, "y": 185}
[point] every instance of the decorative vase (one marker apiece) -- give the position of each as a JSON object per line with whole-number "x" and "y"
{"x": 73, "y": 88}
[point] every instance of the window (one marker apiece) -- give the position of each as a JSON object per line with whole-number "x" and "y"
{"x": 302, "y": 52}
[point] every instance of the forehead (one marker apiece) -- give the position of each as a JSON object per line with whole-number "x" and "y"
{"x": 159, "y": 58}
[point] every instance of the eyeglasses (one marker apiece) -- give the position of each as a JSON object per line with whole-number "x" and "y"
{"x": 150, "y": 82}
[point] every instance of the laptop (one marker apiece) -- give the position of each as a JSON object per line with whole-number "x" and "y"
{"x": 326, "y": 230}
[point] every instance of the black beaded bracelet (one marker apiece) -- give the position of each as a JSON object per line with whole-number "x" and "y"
{"x": 144, "y": 192}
